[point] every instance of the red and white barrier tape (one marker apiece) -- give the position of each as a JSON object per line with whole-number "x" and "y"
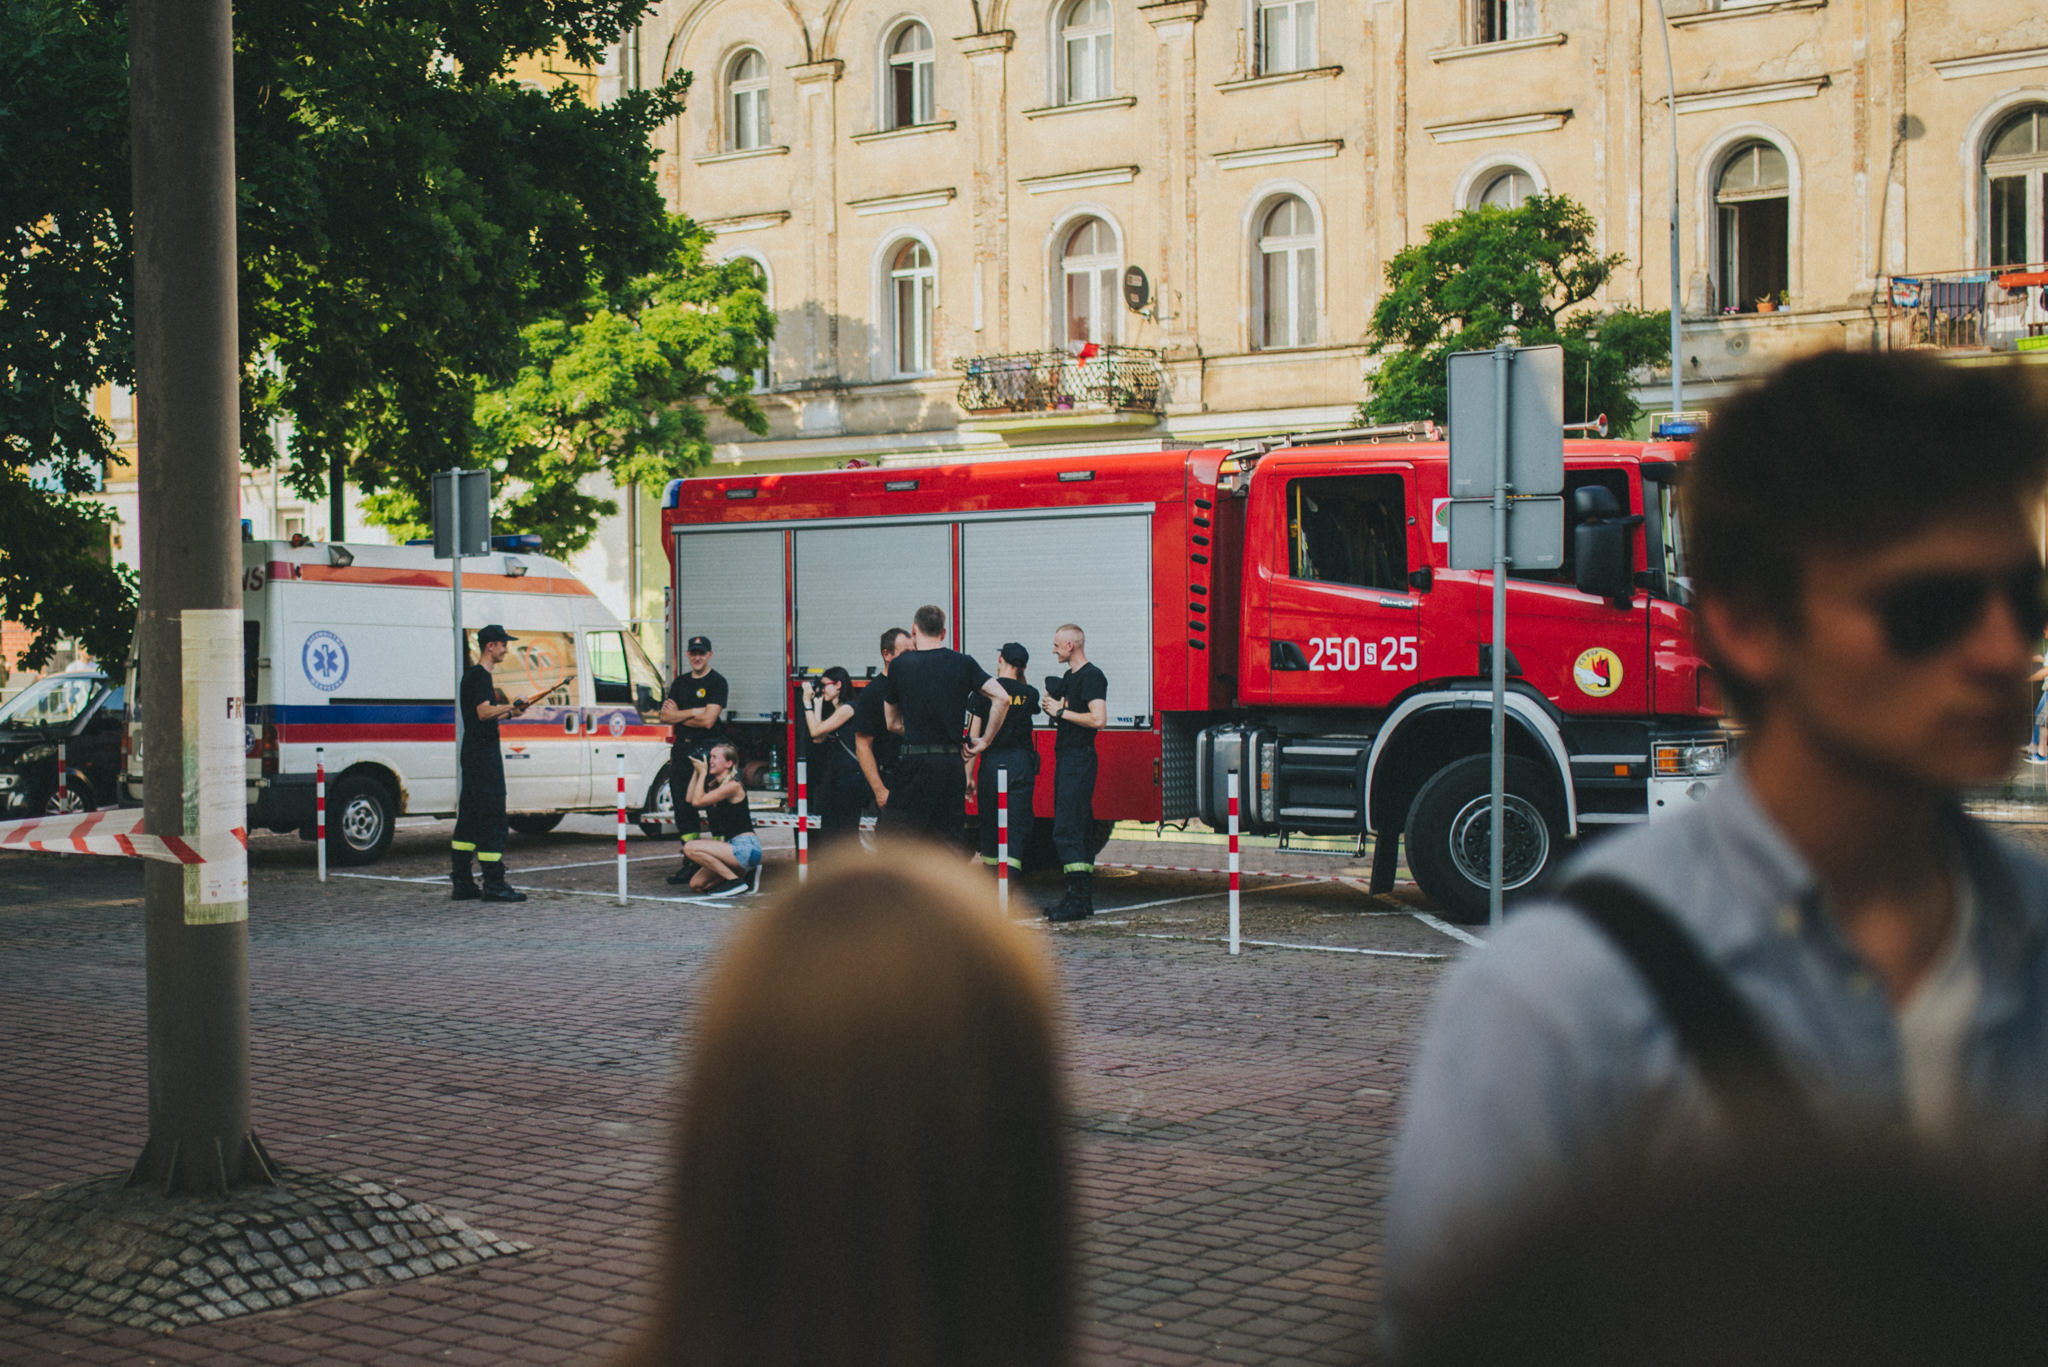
{"x": 119, "y": 833}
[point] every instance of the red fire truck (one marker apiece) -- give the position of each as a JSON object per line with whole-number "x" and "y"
{"x": 1283, "y": 609}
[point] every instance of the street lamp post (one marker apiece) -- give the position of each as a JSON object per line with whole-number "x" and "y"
{"x": 1671, "y": 105}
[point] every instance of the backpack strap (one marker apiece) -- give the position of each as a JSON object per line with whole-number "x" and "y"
{"x": 1715, "y": 1027}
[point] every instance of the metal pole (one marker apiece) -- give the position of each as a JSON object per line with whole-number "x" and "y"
{"x": 1503, "y": 363}
{"x": 196, "y": 945}
{"x": 320, "y": 808}
{"x": 622, "y": 828}
{"x": 63, "y": 780}
{"x": 1234, "y": 922}
{"x": 461, "y": 648}
{"x": 1003, "y": 839}
{"x": 803, "y": 820}
{"x": 1671, "y": 85}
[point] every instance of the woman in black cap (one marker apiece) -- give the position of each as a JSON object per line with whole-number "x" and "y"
{"x": 1010, "y": 752}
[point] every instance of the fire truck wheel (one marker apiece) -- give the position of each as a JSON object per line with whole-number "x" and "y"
{"x": 534, "y": 823}
{"x": 1450, "y": 833}
{"x": 360, "y": 817}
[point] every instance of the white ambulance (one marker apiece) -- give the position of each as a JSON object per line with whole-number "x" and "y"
{"x": 349, "y": 649}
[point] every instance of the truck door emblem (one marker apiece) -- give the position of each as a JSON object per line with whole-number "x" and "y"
{"x": 1597, "y": 672}
{"x": 617, "y": 724}
{"x": 325, "y": 660}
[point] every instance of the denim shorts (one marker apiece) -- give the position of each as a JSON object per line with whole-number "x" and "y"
{"x": 746, "y": 850}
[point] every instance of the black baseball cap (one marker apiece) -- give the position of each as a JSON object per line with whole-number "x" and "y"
{"x": 493, "y": 633}
{"x": 1013, "y": 653}
{"x": 699, "y": 645}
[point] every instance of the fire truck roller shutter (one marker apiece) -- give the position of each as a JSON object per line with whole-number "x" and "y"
{"x": 729, "y": 586}
{"x": 852, "y": 582}
{"x": 1025, "y": 577}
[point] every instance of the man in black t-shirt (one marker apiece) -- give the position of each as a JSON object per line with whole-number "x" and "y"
{"x": 928, "y": 688}
{"x": 876, "y": 747}
{"x": 480, "y": 810}
{"x": 1078, "y": 702}
{"x": 695, "y": 708}
{"x": 1010, "y": 752}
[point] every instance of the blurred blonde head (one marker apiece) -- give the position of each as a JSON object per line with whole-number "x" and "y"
{"x": 871, "y": 1165}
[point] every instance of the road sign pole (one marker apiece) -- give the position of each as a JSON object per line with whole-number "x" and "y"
{"x": 461, "y": 649}
{"x": 1503, "y": 367}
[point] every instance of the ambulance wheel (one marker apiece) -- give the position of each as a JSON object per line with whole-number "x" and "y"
{"x": 1450, "y": 832}
{"x": 660, "y": 808}
{"x": 534, "y": 823}
{"x": 360, "y": 819}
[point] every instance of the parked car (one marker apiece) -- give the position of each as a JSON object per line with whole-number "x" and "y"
{"x": 83, "y": 711}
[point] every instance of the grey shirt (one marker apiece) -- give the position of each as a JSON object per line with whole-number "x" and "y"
{"x": 1544, "y": 1056}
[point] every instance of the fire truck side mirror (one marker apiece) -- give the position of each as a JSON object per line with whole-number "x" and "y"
{"x": 1421, "y": 580}
{"x": 1600, "y": 560}
{"x": 643, "y": 698}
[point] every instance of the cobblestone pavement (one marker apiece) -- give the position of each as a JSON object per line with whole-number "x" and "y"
{"x": 513, "y": 1066}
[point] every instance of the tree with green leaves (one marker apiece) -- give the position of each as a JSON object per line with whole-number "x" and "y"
{"x": 622, "y": 387}
{"x": 1534, "y": 268}
{"x": 409, "y": 216}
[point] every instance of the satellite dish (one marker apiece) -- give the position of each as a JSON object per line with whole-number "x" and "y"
{"x": 1137, "y": 289}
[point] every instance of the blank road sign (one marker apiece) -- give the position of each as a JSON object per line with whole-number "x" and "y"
{"x": 475, "y": 501}
{"x": 1535, "y": 534}
{"x": 1535, "y": 421}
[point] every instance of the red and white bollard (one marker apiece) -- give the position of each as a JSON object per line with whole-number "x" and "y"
{"x": 1233, "y": 862}
{"x": 803, "y": 820}
{"x": 622, "y": 829}
{"x": 320, "y": 808}
{"x": 63, "y": 780}
{"x": 1003, "y": 839}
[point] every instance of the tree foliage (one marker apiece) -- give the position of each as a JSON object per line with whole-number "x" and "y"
{"x": 409, "y": 215}
{"x": 1534, "y": 268}
{"x": 622, "y": 387}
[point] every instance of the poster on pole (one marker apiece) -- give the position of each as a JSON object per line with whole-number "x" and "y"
{"x": 215, "y": 803}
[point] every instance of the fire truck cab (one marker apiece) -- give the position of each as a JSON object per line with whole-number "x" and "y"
{"x": 1282, "y": 610}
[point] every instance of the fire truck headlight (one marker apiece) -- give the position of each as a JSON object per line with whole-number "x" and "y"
{"x": 1691, "y": 758}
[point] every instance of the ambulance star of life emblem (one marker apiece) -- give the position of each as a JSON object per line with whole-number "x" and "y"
{"x": 325, "y": 661}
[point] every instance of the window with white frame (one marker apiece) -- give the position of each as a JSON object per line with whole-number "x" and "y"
{"x": 910, "y": 93}
{"x": 1086, "y": 38}
{"x": 2016, "y": 190}
{"x": 1496, "y": 21}
{"x": 1285, "y": 280}
{"x": 1089, "y": 266}
{"x": 746, "y": 105}
{"x": 1286, "y": 36}
{"x": 1504, "y": 187}
{"x": 1753, "y": 230}
{"x": 913, "y": 293}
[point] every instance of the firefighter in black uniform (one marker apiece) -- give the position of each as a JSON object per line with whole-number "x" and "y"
{"x": 1077, "y": 702}
{"x": 876, "y": 747}
{"x": 928, "y": 688}
{"x": 1010, "y": 752}
{"x": 695, "y": 708}
{"x": 480, "y": 815}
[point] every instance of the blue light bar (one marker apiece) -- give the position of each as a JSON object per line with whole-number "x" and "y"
{"x": 671, "y": 495}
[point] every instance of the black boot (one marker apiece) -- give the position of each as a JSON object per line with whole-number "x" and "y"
{"x": 495, "y": 889}
{"x": 458, "y": 875}
{"x": 1080, "y": 900}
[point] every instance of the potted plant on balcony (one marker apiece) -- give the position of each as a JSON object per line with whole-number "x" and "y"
{"x": 1766, "y": 304}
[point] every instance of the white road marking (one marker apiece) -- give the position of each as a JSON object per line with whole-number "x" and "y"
{"x": 595, "y": 863}
{"x": 1438, "y": 923}
{"x": 1283, "y": 944}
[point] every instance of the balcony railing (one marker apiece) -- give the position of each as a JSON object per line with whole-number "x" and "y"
{"x": 2000, "y": 309}
{"x": 1120, "y": 379}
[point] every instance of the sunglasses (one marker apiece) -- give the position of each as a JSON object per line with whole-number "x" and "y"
{"x": 1925, "y": 614}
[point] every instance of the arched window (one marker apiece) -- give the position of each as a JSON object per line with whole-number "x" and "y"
{"x": 913, "y": 292}
{"x": 1085, "y": 44}
{"x": 1285, "y": 283}
{"x": 1089, "y": 265}
{"x": 746, "y": 104}
{"x": 910, "y": 77}
{"x": 1286, "y": 36}
{"x": 2016, "y": 190}
{"x": 1753, "y": 227}
{"x": 1503, "y": 188}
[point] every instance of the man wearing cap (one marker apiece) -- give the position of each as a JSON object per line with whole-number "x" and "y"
{"x": 480, "y": 811}
{"x": 927, "y": 689}
{"x": 694, "y": 706}
{"x": 1010, "y": 752}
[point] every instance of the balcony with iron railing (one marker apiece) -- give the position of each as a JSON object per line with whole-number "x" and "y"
{"x": 1995, "y": 309}
{"x": 1112, "y": 386}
